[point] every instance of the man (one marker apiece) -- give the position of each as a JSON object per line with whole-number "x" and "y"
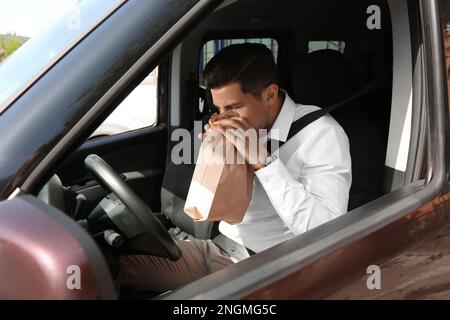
{"x": 301, "y": 185}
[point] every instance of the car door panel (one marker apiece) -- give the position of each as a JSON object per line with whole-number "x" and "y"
{"x": 138, "y": 156}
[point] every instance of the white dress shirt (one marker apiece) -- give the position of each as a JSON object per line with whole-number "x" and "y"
{"x": 308, "y": 184}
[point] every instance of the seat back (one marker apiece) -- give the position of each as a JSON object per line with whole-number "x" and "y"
{"x": 324, "y": 78}
{"x": 175, "y": 187}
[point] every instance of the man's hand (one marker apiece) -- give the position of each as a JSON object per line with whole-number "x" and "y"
{"x": 216, "y": 116}
{"x": 242, "y": 135}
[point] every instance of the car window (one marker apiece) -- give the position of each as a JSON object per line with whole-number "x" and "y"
{"x": 326, "y": 44}
{"x": 138, "y": 110}
{"x": 211, "y": 47}
{"x": 45, "y": 32}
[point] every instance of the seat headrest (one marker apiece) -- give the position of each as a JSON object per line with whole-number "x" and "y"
{"x": 322, "y": 78}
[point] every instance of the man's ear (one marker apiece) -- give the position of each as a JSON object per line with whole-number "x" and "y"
{"x": 270, "y": 94}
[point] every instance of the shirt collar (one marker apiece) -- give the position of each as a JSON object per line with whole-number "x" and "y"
{"x": 282, "y": 125}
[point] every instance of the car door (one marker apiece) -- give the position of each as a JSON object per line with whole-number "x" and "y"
{"x": 48, "y": 118}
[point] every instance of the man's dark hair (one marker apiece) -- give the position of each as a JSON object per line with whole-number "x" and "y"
{"x": 250, "y": 64}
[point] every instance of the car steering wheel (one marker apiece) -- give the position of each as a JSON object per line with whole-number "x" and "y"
{"x": 139, "y": 219}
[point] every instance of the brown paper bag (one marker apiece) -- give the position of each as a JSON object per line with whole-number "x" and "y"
{"x": 221, "y": 187}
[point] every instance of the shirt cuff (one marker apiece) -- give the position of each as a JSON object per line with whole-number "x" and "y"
{"x": 275, "y": 170}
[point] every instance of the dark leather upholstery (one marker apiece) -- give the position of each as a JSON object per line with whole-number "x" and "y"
{"x": 323, "y": 78}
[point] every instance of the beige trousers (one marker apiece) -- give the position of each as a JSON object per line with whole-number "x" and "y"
{"x": 144, "y": 272}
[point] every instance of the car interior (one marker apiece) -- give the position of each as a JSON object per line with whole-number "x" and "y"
{"x": 325, "y": 53}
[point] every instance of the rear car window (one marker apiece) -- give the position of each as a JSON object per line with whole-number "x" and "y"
{"x": 326, "y": 44}
{"x": 211, "y": 47}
